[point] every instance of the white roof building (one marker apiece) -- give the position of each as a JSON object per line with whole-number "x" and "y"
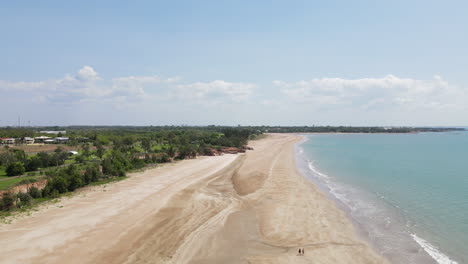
{"x": 8, "y": 141}
{"x": 28, "y": 140}
{"x": 63, "y": 132}
{"x": 61, "y": 139}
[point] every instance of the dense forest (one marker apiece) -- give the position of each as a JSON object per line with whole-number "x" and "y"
{"x": 159, "y": 131}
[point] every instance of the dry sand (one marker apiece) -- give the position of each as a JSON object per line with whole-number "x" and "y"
{"x": 247, "y": 208}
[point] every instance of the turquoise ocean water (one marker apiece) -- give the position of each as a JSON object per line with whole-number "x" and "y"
{"x": 406, "y": 193}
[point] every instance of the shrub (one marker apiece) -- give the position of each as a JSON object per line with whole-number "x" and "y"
{"x": 54, "y": 194}
{"x": 74, "y": 182}
{"x": 91, "y": 174}
{"x": 59, "y": 184}
{"x": 80, "y": 158}
{"x": 34, "y": 192}
{"x": 163, "y": 158}
{"x": 16, "y": 168}
{"x": 138, "y": 163}
{"x": 8, "y": 200}
{"x": 116, "y": 164}
{"x": 24, "y": 199}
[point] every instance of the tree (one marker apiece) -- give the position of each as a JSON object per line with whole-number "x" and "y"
{"x": 85, "y": 149}
{"x": 171, "y": 151}
{"x": 33, "y": 164}
{"x": 58, "y": 158}
{"x": 16, "y": 168}
{"x": 19, "y": 154}
{"x": 44, "y": 159}
{"x": 100, "y": 150}
{"x": 79, "y": 158}
{"x": 128, "y": 140}
{"x": 58, "y": 149}
{"x": 146, "y": 144}
{"x": 6, "y": 158}
{"x": 116, "y": 164}
{"x": 91, "y": 174}
{"x": 59, "y": 184}
{"x": 75, "y": 182}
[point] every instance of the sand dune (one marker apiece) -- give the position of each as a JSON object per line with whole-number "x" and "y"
{"x": 248, "y": 208}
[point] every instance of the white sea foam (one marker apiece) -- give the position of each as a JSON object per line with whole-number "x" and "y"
{"x": 335, "y": 190}
{"x": 385, "y": 225}
{"x": 312, "y": 168}
{"x": 440, "y": 257}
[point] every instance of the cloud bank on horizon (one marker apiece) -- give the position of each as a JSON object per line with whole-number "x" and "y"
{"x": 88, "y": 98}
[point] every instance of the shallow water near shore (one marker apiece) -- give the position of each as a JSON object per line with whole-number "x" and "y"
{"x": 406, "y": 193}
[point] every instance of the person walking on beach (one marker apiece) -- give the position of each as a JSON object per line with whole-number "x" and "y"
{"x": 301, "y": 252}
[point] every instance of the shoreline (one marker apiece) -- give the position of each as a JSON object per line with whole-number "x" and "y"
{"x": 247, "y": 208}
{"x": 384, "y": 227}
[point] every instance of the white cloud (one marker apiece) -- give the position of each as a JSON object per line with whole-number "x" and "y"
{"x": 374, "y": 92}
{"x": 86, "y": 86}
{"x": 87, "y": 74}
{"x": 20, "y": 86}
{"x": 215, "y": 91}
{"x": 136, "y": 85}
{"x": 390, "y": 99}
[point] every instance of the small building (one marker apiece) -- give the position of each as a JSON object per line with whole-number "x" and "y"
{"x": 7, "y": 141}
{"x": 72, "y": 152}
{"x": 61, "y": 140}
{"x": 41, "y": 139}
{"x": 49, "y": 141}
{"x": 28, "y": 140}
{"x": 63, "y": 132}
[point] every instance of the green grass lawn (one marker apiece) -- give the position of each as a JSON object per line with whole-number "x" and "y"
{"x": 158, "y": 148}
{"x": 8, "y": 183}
{"x": 69, "y": 161}
{"x": 2, "y": 172}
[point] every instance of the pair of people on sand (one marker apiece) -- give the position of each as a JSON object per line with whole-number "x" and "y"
{"x": 301, "y": 252}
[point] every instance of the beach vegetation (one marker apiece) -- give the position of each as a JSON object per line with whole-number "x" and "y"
{"x": 105, "y": 154}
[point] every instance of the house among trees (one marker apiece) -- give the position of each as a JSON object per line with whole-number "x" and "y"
{"x": 63, "y": 132}
{"x": 28, "y": 140}
{"x": 7, "y": 141}
{"x": 42, "y": 139}
{"x": 59, "y": 140}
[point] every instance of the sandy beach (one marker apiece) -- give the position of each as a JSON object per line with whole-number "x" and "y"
{"x": 245, "y": 208}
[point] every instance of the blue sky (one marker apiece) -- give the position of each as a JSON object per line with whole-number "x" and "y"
{"x": 234, "y": 62}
